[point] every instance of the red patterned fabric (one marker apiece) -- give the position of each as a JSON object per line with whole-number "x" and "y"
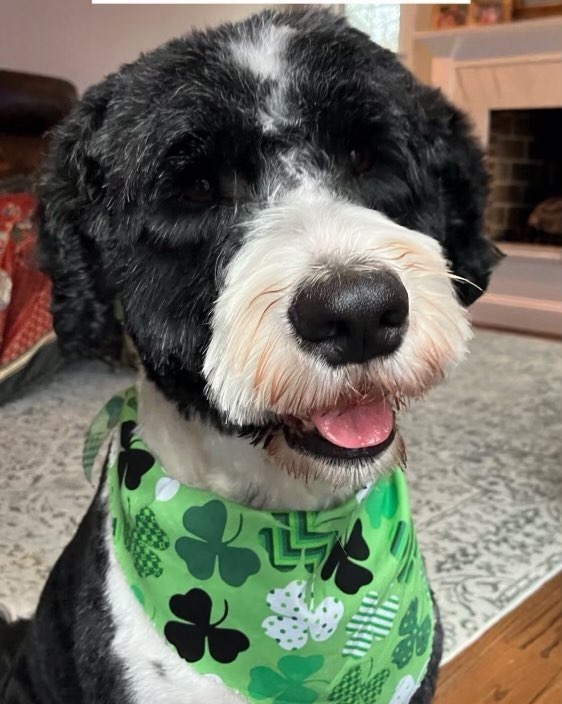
{"x": 25, "y": 292}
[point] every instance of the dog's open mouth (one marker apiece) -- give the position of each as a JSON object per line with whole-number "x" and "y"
{"x": 347, "y": 432}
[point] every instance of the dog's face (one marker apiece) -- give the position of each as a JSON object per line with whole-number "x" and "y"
{"x": 292, "y": 227}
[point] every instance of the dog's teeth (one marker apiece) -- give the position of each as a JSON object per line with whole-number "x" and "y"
{"x": 307, "y": 425}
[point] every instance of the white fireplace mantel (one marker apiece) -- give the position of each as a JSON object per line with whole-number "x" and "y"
{"x": 510, "y": 66}
{"x": 490, "y": 41}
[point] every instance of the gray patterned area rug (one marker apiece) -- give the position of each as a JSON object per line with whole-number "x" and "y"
{"x": 484, "y": 470}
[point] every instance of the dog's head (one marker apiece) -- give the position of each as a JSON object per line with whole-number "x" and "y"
{"x": 291, "y": 224}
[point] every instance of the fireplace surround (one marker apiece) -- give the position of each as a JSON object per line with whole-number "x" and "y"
{"x": 525, "y": 166}
{"x": 505, "y": 76}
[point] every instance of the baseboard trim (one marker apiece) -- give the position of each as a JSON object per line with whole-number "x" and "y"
{"x": 528, "y": 315}
{"x": 525, "y": 292}
{"x": 499, "y": 299}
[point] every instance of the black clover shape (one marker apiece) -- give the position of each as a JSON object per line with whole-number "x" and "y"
{"x": 189, "y": 638}
{"x": 350, "y": 577}
{"x": 133, "y": 463}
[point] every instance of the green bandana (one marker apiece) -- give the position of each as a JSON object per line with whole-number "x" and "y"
{"x": 289, "y": 606}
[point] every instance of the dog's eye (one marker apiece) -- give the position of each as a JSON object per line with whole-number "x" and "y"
{"x": 362, "y": 159}
{"x": 199, "y": 192}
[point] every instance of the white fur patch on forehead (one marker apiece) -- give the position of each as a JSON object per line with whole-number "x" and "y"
{"x": 263, "y": 54}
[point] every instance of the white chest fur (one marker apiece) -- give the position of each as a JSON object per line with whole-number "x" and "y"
{"x": 198, "y": 455}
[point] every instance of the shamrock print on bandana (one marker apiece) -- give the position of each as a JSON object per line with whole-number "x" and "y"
{"x": 133, "y": 463}
{"x": 289, "y": 686}
{"x": 207, "y": 523}
{"x": 294, "y": 621}
{"x": 350, "y": 577}
{"x": 100, "y": 428}
{"x": 189, "y": 638}
{"x": 404, "y": 547}
{"x": 353, "y": 688}
{"x": 415, "y": 636}
{"x": 382, "y": 501}
{"x": 372, "y": 622}
{"x": 141, "y": 538}
{"x": 295, "y": 541}
{"x": 405, "y": 690}
{"x": 166, "y": 489}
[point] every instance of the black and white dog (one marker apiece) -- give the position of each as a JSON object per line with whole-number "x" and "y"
{"x": 292, "y": 225}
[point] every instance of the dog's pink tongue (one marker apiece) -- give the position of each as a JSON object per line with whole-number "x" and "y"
{"x": 356, "y": 426}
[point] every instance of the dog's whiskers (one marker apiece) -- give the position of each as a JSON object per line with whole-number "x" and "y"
{"x": 274, "y": 288}
{"x": 462, "y": 279}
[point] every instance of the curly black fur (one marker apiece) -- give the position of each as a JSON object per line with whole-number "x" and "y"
{"x": 11, "y": 637}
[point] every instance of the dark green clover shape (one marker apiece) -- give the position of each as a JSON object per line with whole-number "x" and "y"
{"x": 382, "y": 501}
{"x": 287, "y": 687}
{"x": 415, "y": 636}
{"x": 352, "y": 688}
{"x": 141, "y": 539}
{"x": 102, "y": 425}
{"x": 100, "y": 428}
{"x": 200, "y": 554}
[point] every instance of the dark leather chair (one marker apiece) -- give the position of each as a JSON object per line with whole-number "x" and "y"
{"x": 30, "y": 105}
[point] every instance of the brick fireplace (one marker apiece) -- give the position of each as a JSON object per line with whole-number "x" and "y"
{"x": 525, "y": 166}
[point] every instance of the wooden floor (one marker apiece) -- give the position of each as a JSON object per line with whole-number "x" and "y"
{"x": 518, "y": 661}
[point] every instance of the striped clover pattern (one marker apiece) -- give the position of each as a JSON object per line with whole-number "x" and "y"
{"x": 372, "y": 622}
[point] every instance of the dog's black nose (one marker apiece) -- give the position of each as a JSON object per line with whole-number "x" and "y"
{"x": 351, "y": 318}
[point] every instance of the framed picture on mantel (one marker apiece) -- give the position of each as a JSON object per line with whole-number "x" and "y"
{"x": 483, "y": 12}
{"x": 531, "y": 9}
{"x": 479, "y": 12}
{"x": 449, "y": 16}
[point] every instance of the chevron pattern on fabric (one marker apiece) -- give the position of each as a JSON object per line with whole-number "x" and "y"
{"x": 295, "y": 541}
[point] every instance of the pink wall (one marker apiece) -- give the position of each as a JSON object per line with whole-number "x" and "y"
{"x": 81, "y": 42}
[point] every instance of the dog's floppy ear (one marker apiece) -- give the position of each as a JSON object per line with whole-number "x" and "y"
{"x": 71, "y": 225}
{"x": 457, "y": 161}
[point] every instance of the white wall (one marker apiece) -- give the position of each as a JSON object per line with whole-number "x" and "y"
{"x": 81, "y": 42}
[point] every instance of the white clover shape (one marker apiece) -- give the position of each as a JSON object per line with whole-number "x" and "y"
{"x": 405, "y": 690}
{"x": 166, "y": 489}
{"x": 113, "y": 452}
{"x": 295, "y": 621}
